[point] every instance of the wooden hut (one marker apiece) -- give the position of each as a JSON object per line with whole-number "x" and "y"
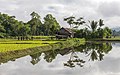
{"x": 65, "y": 33}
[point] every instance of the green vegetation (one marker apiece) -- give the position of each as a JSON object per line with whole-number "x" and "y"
{"x": 73, "y": 22}
{"x": 12, "y": 55}
{"x": 92, "y": 50}
{"x": 93, "y": 30}
{"x": 35, "y": 30}
{"x": 11, "y": 45}
{"x": 36, "y": 37}
{"x": 9, "y": 26}
{"x": 44, "y": 37}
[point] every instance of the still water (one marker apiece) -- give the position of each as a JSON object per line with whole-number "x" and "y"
{"x": 100, "y": 58}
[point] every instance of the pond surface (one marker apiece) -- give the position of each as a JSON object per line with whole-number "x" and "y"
{"x": 88, "y": 59}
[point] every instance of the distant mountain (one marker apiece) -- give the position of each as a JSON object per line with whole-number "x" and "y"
{"x": 117, "y": 31}
{"x": 116, "y": 28}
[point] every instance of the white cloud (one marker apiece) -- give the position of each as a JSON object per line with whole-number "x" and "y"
{"x": 90, "y": 9}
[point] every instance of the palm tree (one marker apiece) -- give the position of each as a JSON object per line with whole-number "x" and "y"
{"x": 101, "y": 23}
{"x": 93, "y": 25}
{"x": 70, "y": 20}
{"x": 75, "y": 22}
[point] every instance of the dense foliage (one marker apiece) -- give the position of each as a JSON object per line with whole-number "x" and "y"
{"x": 9, "y": 26}
{"x": 94, "y": 29}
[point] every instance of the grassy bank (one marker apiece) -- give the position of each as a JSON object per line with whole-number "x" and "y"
{"x": 12, "y": 55}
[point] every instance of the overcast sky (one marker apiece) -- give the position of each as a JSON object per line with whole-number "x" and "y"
{"x": 108, "y": 10}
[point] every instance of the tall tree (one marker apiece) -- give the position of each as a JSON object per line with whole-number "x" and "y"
{"x": 35, "y": 23}
{"x": 24, "y": 30}
{"x": 107, "y": 32}
{"x": 70, "y": 20}
{"x": 50, "y": 25}
{"x": 73, "y": 22}
{"x": 2, "y": 29}
{"x": 101, "y": 23}
{"x": 93, "y": 25}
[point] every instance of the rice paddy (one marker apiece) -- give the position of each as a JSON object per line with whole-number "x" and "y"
{"x": 12, "y": 44}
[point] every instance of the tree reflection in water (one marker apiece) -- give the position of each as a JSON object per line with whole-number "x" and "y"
{"x": 74, "y": 59}
{"x": 35, "y": 58}
{"x": 93, "y": 51}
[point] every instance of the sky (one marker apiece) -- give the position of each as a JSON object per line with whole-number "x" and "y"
{"x": 108, "y": 10}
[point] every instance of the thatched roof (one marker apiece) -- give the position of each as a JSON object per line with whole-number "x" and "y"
{"x": 68, "y": 30}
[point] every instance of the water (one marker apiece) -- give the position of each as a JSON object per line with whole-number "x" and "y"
{"x": 88, "y": 59}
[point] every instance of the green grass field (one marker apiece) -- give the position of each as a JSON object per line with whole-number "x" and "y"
{"x": 12, "y": 44}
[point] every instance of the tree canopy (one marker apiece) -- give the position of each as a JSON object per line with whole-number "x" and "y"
{"x": 10, "y": 26}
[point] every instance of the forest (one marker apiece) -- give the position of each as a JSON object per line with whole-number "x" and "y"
{"x": 9, "y": 26}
